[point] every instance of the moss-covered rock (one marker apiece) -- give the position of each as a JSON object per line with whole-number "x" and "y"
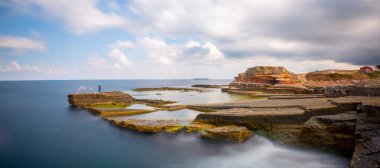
{"x": 198, "y": 127}
{"x": 174, "y": 128}
{"x": 228, "y": 133}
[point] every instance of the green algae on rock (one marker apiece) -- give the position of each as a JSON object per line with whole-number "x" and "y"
{"x": 173, "y": 128}
{"x": 228, "y": 133}
{"x": 198, "y": 127}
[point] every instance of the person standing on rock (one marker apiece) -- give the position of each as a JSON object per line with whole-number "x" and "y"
{"x": 99, "y": 88}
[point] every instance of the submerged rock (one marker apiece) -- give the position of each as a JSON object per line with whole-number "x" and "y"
{"x": 228, "y": 133}
{"x": 334, "y": 133}
{"x": 86, "y": 99}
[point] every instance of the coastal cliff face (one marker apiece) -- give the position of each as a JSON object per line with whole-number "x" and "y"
{"x": 269, "y": 79}
{"x": 267, "y": 75}
{"x": 331, "y": 83}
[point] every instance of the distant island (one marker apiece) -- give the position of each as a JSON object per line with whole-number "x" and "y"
{"x": 200, "y": 79}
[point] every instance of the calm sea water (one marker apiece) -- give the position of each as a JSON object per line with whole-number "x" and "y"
{"x": 39, "y": 129}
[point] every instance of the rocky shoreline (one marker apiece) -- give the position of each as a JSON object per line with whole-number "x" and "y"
{"x": 342, "y": 119}
{"x": 339, "y": 125}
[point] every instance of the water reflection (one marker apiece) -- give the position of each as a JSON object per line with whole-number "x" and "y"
{"x": 213, "y": 96}
{"x": 184, "y": 114}
{"x": 140, "y": 106}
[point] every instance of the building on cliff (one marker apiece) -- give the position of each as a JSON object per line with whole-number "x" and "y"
{"x": 366, "y": 69}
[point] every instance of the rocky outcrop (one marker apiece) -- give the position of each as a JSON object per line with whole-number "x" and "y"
{"x": 114, "y": 98}
{"x": 267, "y": 75}
{"x": 334, "y": 133}
{"x": 227, "y": 133}
{"x": 367, "y": 133}
{"x": 269, "y": 79}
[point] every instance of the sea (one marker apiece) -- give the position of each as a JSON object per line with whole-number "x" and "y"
{"x": 38, "y": 128}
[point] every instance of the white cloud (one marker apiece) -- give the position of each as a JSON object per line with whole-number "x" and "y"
{"x": 119, "y": 57}
{"x": 339, "y": 30}
{"x": 116, "y": 59}
{"x": 15, "y": 66}
{"x": 192, "y": 44}
{"x": 192, "y": 52}
{"x": 81, "y": 16}
{"x": 21, "y": 43}
{"x": 98, "y": 63}
{"x": 159, "y": 51}
{"x": 121, "y": 44}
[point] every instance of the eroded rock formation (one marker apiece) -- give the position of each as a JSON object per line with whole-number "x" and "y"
{"x": 267, "y": 75}
{"x": 269, "y": 79}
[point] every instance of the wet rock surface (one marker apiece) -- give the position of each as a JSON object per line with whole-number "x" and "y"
{"x": 227, "y": 133}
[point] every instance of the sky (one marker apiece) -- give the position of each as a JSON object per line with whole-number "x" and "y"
{"x": 183, "y": 39}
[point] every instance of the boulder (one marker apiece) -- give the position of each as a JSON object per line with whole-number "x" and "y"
{"x": 333, "y": 133}
{"x": 228, "y": 133}
{"x": 86, "y": 99}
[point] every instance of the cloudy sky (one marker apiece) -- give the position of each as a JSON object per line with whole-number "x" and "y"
{"x": 177, "y": 39}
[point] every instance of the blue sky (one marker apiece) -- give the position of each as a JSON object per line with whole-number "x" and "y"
{"x": 178, "y": 39}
